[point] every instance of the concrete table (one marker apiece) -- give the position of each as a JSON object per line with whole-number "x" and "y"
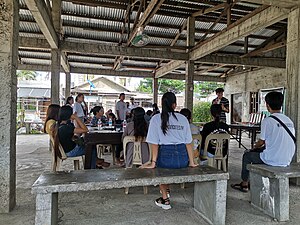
{"x": 209, "y": 191}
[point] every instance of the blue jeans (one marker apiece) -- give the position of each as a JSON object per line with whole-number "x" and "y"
{"x": 79, "y": 151}
{"x": 172, "y": 156}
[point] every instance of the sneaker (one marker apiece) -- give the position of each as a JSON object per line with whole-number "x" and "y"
{"x": 163, "y": 203}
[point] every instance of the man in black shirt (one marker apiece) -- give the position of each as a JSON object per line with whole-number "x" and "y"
{"x": 223, "y": 102}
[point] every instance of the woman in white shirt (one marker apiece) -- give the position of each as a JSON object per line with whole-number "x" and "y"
{"x": 171, "y": 144}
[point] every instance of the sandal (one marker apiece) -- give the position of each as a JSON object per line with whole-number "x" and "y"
{"x": 240, "y": 187}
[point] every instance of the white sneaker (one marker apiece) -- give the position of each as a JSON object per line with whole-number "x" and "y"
{"x": 163, "y": 203}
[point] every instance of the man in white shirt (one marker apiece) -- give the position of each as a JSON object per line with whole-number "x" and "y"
{"x": 279, "y": 145}
{"x": 132, "y": 104}
{"x": 121, "y": 107}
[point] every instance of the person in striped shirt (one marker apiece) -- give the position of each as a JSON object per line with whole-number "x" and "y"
{"x": 223, "y": 102}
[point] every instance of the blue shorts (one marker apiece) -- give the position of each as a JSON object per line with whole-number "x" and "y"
{"x": 172, "y": 156}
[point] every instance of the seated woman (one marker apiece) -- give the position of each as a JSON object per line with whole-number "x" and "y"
{"x": 64, "y": 133}
{"x": 214, "y": 127}
{"x": 98, "y": 112}
{"x": 51, "y": 118}
{"x": 138, "y": 128}
{"x": 188, "y": 114}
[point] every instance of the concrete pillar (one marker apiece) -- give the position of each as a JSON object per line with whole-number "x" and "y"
{"x": 190, "y": 67}
{"x": 293, "y": 73}
{"x": 155, "y": 90}
{"x": 9, "y": 25}
{"x": 68, "y": 85}
{"x": 55, "y": 72}
{"x": 56, "y": 54}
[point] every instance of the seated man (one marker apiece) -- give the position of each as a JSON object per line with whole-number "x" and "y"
{"x": 279, "y": 144}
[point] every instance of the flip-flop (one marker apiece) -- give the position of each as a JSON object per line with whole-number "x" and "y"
{"x": 240, "y": 187}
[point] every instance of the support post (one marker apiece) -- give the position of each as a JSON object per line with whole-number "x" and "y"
{"x": 56, "y": 54}
{"x": 155, "y": 90}
{"x": 190, "y": 66}
{"x": 9, "y": 23}
{"x": 46, "y": 209}
{"x": 293, "y": 75}
{"x": 68, "y": 85}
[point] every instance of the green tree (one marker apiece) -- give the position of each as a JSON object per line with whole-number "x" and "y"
{"x": 164, "y": 85}
{"x": 201, "y": 112}
{"x": 26, "y": 75}
{"x": 203, "y": 88}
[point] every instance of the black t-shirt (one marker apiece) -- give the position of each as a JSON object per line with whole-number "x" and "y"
{"x": 65, "y": 135}
{"x": 214, "y": 128}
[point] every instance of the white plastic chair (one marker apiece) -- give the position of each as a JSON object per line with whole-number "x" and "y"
{"x": 101, "y": 149}
{"x": 218, "y": 161}
{"x": 137, "y": 155}
{"x": 55, "y": 165}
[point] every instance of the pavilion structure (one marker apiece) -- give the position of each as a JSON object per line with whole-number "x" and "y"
{"x": 191, "y": 40}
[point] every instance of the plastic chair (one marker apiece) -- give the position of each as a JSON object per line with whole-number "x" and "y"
{"x": 137, "y": 155}
{"x": 218, "y": 161}
{"x": 101, "y": 148}
{"x": 56, "y": 165}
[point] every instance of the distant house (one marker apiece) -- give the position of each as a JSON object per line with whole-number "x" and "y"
{"x": 105, "y": 92}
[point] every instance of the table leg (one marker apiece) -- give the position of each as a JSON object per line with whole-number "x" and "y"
{"x": 46, "y": 209}
{"x": 114, "y": 148}
{"x": 88, "y": 156}
{"x": 240, "y": 136}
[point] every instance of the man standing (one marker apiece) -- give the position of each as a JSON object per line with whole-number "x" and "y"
{"x": 223, "y": 102}
{"x": 121, "y": 107}
{"x": 278, "y": 138}
{"x": 78, "y": 107}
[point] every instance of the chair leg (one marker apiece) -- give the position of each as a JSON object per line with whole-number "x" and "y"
{"x": 76, "y": 165}
{"x": 145, "y": 190}
{"x": 83, "y": 161}
{"x": 182, "y": 185}
{"x": 126, "y": 191}
{"x": 224, "y": 167}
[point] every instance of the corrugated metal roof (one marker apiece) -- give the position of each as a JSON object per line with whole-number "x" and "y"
{"x": 29, "y": 54}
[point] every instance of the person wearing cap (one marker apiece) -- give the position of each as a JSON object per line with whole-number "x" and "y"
{"x": 132, "y": 104}
{"x": 121, "y": 107}
{"x": 223, "y": 102}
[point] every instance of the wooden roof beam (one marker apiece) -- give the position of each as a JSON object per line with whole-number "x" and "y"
{"x": 260, "y": 18}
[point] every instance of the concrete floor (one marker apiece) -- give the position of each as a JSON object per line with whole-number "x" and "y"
{"x": 114, "y": 207}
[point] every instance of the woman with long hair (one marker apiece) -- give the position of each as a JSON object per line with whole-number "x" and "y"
{"x": 170, "y": 137}
{"x": 213, "y": 127}
{"x": 137, "y": 128}
{"x": 51, "y": 118}
{"x": 70, "y": 101}
{"x": 64, "y": 134}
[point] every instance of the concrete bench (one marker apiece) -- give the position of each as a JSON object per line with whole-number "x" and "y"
{"x": 209, "y": 191}
{"x": 270, "y": 188}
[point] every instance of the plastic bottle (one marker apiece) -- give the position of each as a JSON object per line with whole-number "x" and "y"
{"x": 110, "y": 122}
{"x": 124, "y": 124}
{"x": 99, "y": 124}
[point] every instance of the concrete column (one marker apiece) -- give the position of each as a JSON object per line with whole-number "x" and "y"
{"x": 190, "y": 67}
{"x": 293, "y": 74}
{"x": 155, "y": 90}
{"x": 9, "y": 24}
{"x": 55, "y": 72}
{"x": 56, "y": 54}
{"x": 68, "y": 85}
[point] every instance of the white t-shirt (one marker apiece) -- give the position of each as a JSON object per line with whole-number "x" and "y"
{"x": 121, "y": 107}
{"x": 178, "y": 132}
{"x": 77, "y": 108}
{"x": 280, "y": 147}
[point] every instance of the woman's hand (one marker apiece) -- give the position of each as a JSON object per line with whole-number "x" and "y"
{"x": 151, "y": 165}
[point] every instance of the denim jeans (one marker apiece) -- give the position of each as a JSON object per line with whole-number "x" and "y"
{"x": 172, "y": 156}
{"x": 249, "y": 158}
{"x": 79, "y": 151}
